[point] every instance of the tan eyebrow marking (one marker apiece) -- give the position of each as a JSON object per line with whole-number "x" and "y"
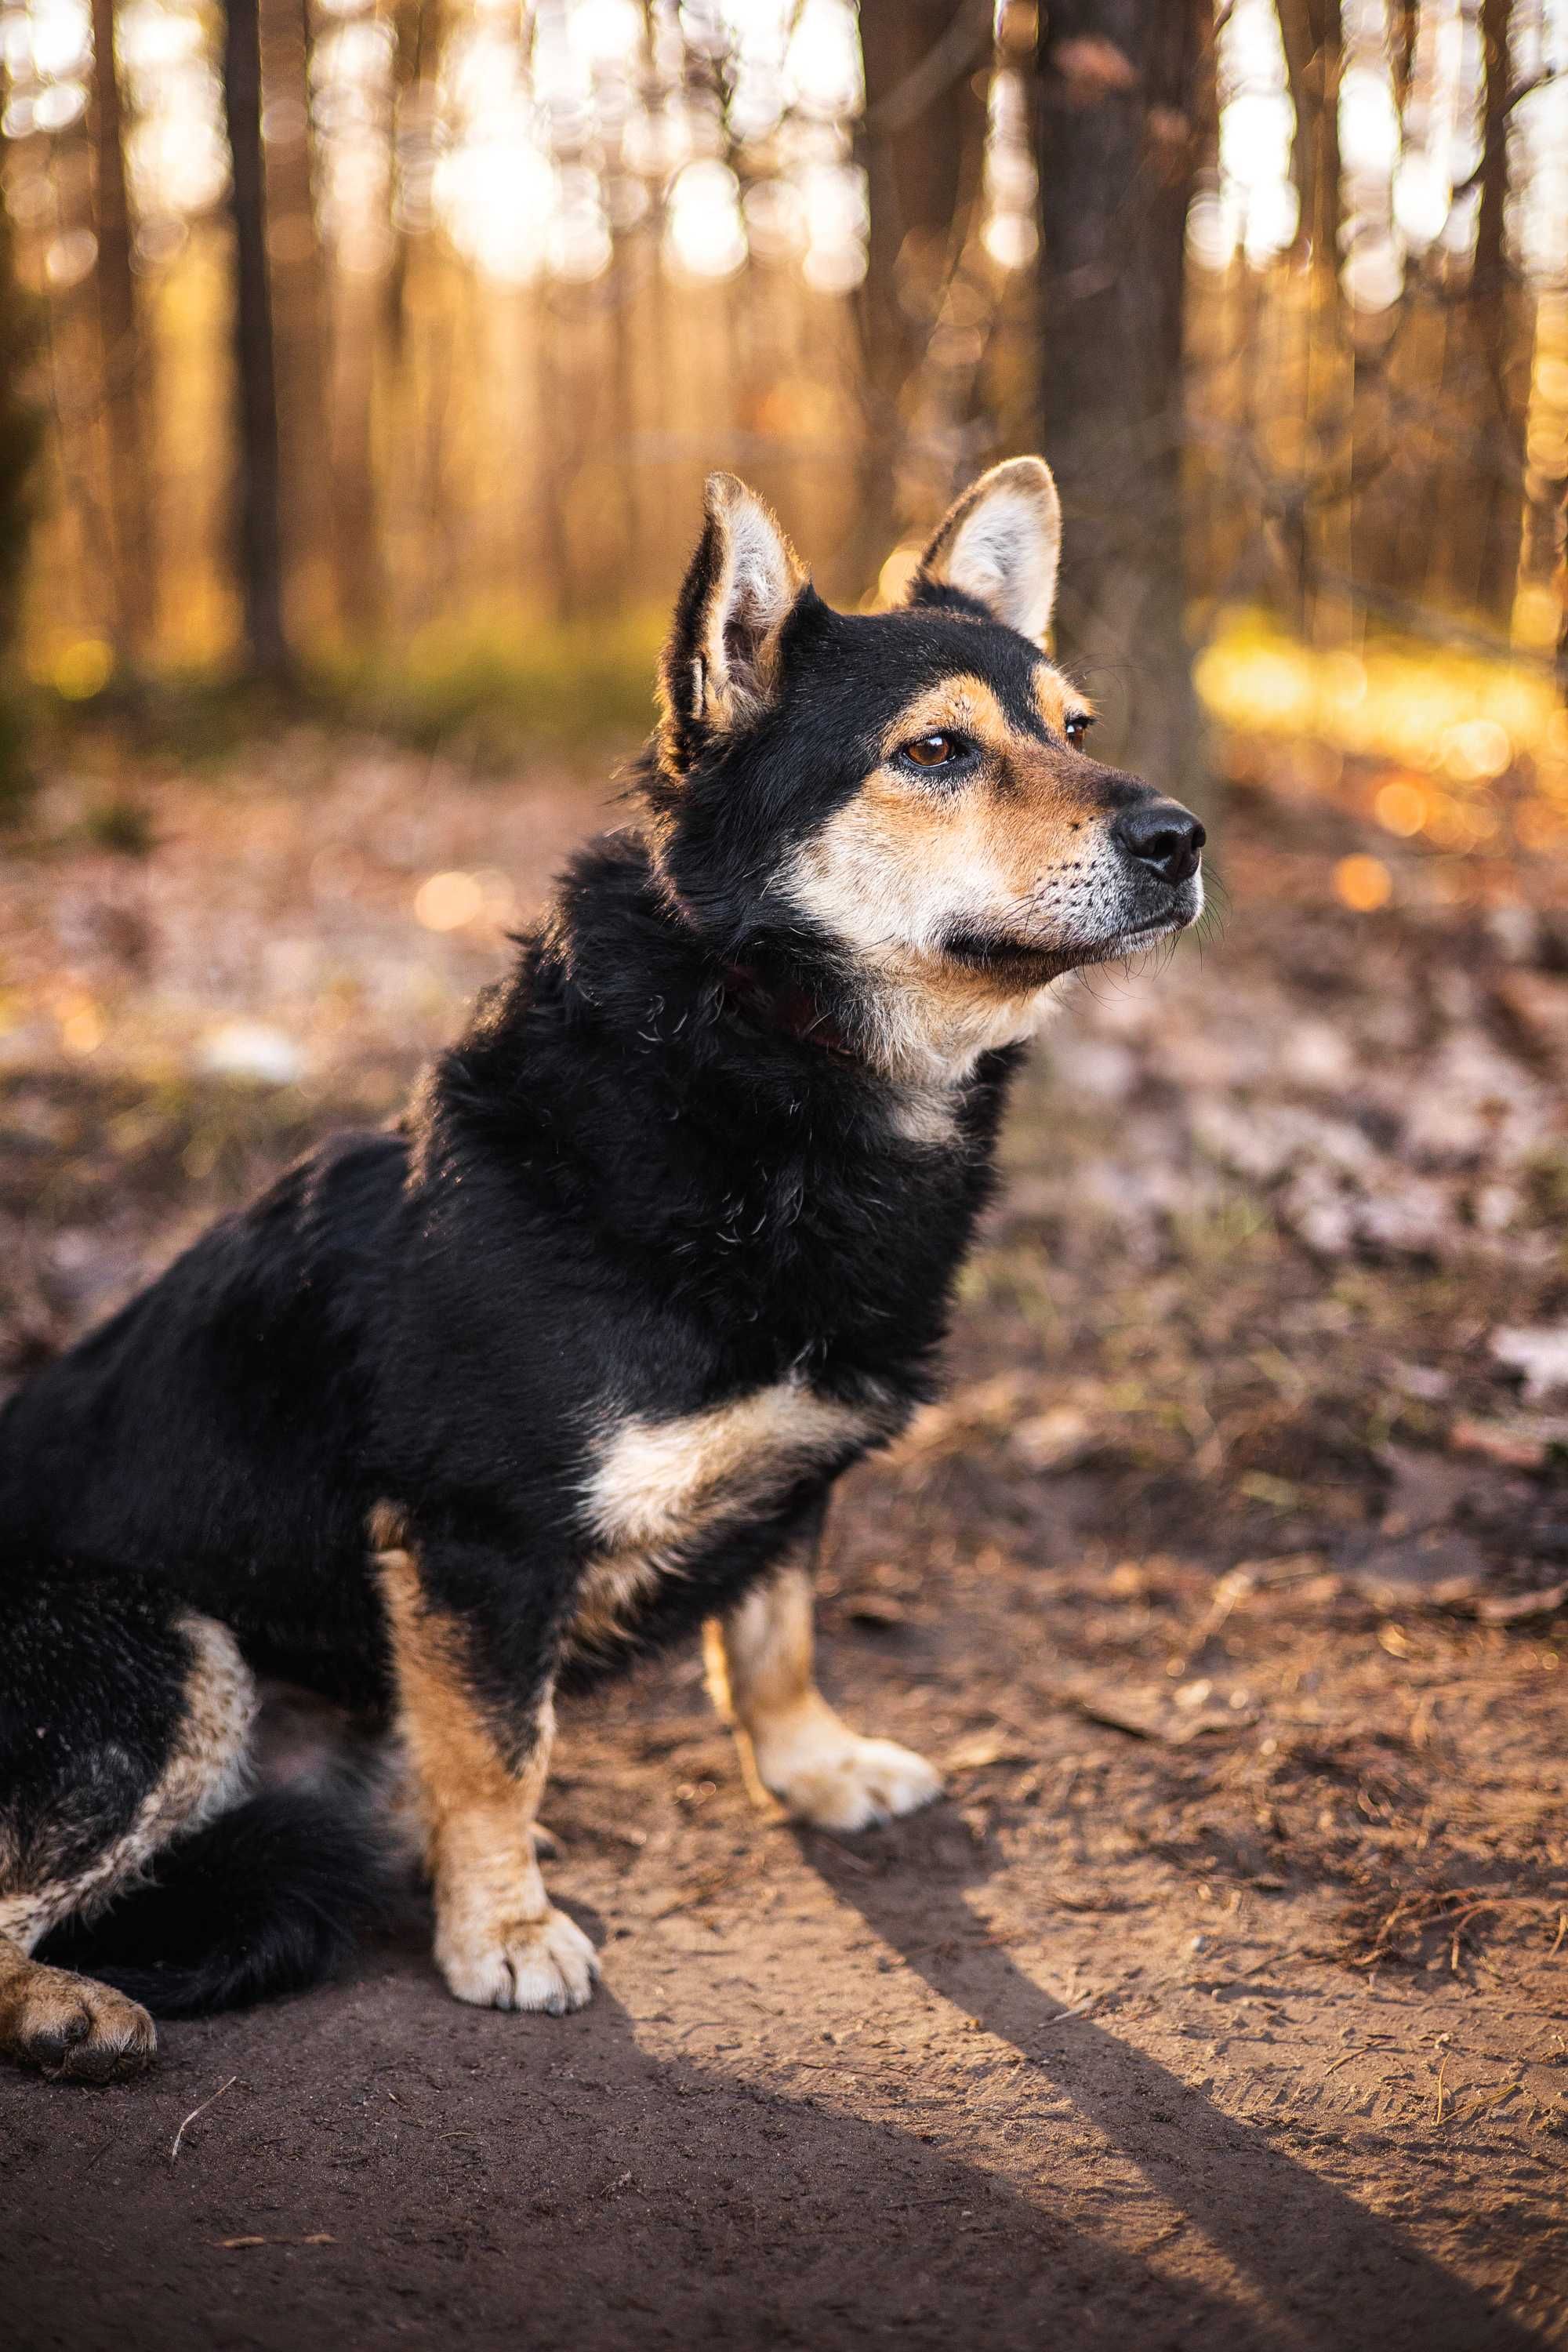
{"x": 961, "y": 705}
{"x": 1055, "y": 697}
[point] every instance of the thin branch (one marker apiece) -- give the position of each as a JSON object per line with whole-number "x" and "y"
{"x": 205, "y": 2104}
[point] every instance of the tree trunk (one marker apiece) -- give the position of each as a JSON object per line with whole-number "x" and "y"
{"x": 420, "y": 27}
{"x": 258, "y": 534}
{"x": 123, "y": 360}
{"x": 1313, "y": 44}
{"x": 1119, "y": 117}
{"x": 297, "y": 278}
{"x": 21, "y": 433}
{"x": 1502, "y": 350}
{"x": 923, "y": 141}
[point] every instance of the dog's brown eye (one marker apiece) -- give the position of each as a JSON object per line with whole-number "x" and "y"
{"x": 931, "y": 750}
{"x": 1077, "y": 726}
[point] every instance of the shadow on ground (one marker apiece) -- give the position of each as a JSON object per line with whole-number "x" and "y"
{"x": 395, "y": 2168}
{"x": 1313, "y": 2268}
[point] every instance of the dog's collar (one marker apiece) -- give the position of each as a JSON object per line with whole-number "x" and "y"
{"x": 791, "y": 1009}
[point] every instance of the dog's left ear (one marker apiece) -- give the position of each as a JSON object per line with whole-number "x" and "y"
{"x": 999, "y": 545}
{"x": 720, "y": 666}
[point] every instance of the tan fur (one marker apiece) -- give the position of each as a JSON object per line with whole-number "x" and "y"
{"x": 499, "y": 1940}
{"x": 1054, "y": 699}
{"x": 202, "y": 1777}
{"x": 962, "y": 703}
{"x": 67, "y": 2025}
{"x": 660, "y": 1483}
{"x": 902, "y": 862}
{"x": 610, "y": 1594}
{"x": 793, "y": 1746}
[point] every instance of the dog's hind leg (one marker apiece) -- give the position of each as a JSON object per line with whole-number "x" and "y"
{"x": 478, "y": 1750}
{"x": 793, "y": 1746}
{"x": 123, "y": 1721}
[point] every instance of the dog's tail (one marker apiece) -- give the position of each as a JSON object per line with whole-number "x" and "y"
{"x": 268, "y": 1898}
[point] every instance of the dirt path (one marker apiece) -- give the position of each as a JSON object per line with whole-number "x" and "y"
{"x": 1221, "y": 2003}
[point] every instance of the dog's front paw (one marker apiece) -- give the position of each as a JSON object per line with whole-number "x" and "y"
{"x": 825, "y": 1774}
{"x": 542, "y": 1964}
{"x": 75, "y": 2030}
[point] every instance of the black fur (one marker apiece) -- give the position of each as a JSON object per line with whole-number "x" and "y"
{"x": 627, "y": 1191}
{"x": 92, "y": 1675}
{"x": 268, "y": 1899}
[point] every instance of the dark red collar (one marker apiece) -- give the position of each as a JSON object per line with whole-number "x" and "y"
{"x": 789, "y": 1007}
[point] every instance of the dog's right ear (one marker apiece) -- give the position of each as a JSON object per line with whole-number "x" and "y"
{"x": 719, "y": 664}
{"x": 999, "y": 545}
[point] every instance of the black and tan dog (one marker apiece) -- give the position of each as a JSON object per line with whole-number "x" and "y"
{"x": 566, "y": 1366}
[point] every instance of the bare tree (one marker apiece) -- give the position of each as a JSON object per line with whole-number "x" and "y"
{"x": 1500, "y": 340}
{"x": 123, "y": 360}
{"x": 1312, "y": 40}
{"x": 299, "y": 292}
{"x": 258, "y": 534}
{"x": 420, "y": 27}
{"x": 1121, "y": 116}
{"x": 21, "y": 432}
{"x": 923, "y": 143}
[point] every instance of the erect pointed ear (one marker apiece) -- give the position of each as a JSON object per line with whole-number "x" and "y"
{"x": 1000, "y": 543}
{"x": 720, "y": 666}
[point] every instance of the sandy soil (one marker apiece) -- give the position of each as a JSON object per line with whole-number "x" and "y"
{"x": 1221, "y": 2003}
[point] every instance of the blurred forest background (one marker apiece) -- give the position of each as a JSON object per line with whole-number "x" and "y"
{"x": 376, "y": 349}
{"x": 359, "y": 364}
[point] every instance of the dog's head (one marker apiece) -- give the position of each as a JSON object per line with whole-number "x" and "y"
{"x": 902, "y": 802}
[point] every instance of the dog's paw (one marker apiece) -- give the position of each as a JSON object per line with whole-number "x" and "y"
{"x": 542, "y": 1964}
{"x": 830, "y": 1777}
{"x": 75, "y": 2029}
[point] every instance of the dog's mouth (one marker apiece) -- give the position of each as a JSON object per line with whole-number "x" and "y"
{"x": 1032, "y": 963}
{"x": 1018, "y": 962}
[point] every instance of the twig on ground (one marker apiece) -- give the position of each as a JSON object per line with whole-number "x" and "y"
{"x": 190, "y": 2119}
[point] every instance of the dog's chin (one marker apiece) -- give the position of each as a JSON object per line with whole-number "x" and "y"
{"x": 1019, "y": 964}
{"x": 1119, "y": 945}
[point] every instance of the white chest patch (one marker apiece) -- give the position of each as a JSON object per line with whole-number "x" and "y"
{"x": 658, "y": 1486}
{"x": 662, "y": 1482}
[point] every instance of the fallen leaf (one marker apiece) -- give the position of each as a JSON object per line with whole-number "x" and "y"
{"x": 984, "y": 1748}
{"x": 1153, "y": 1718}
{"x": 1054, "y": 1440}
{"x": 879, "y": 1608}
{"x": 316, "y": 2238}
{"x": 1516, "y": 1445}
{"x": 1540, "y": 1354}
{"x": 1509, "y": 1608}
{"x": 1433, "y": 1571}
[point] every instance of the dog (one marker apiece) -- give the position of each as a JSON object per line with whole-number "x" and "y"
{"x": 566, "y": 1365}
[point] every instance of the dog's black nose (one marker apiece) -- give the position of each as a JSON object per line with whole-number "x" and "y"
{"x": 1163, "y": 835}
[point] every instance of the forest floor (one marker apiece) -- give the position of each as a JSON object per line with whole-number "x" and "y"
{"x": 1224, "y": 2002}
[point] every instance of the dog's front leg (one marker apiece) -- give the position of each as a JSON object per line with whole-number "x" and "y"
{"x": 793, "y": 1746}
{"x": 478, "y": 1762}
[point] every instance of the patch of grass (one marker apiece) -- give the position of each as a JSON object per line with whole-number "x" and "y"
{"x": 497, "y": 688}
{"x": 1210, "y": 1237}
{"x": 1546, "y": 1188}
{"x": 489, "y": 690}
{"x": 120, "y": 825}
